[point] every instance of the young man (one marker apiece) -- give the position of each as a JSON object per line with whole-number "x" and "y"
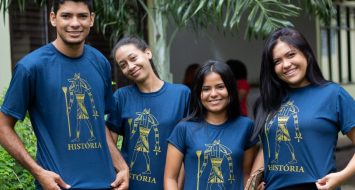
{"x": 66, "y": 88}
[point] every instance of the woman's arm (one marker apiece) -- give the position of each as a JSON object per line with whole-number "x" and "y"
{"x": 181, "y": 179}
{"x": 248, "y": 159}
{"x": 334, "y": 180}
{"x": 259, "y": 163}
{"x": 259, "y": 160}
{"x": 173, "y": 164}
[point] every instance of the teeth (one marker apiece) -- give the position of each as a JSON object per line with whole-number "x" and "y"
{"x": 289, "y": 72}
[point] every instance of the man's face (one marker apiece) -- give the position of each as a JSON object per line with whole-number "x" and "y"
{"x": 72, "y": 21}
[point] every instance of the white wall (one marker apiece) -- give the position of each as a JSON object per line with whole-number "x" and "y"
{"x": 189, "y": 47}
{"x": 5, "y": 49}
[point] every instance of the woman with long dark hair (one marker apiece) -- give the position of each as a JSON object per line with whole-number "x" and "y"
{"x": 298, "y": 117}
{"x": 214, "y": 141}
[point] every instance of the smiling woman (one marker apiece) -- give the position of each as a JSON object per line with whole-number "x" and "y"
{"x": 214, "y": 141}
{"x": 146, "y": 113}
{"x": 299, "y": 116}
{"x": 215, "y": 99}
{"x": 290, "y": 65}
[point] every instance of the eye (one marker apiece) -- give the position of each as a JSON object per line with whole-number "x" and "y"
{"x": 205, "y": 88}
{"x": 133, "y": 58}
{"x": 83, "y": 16}
{"x": 122, "y": 65}
{"x": 276, "y": 62}
{"x": 65, "y": 16}
{"x": 220, "y": 86}
{"x": 291, "y": 55}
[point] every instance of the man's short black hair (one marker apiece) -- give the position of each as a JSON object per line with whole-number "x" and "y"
{"x": 56, "y": 4}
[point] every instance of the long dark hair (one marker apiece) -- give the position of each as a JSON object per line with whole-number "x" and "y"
{"x": 238, "y": 68}
{"x": 198, "y": 110}
{"x": 273, "y": 91}
{"x": 139, "y": 43}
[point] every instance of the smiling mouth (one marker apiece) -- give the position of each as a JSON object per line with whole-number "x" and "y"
{"x": 135, "y": 73}
{"x": 215, "y": 101}
{"x": 74, "y": 32}
{"x": 290, "y": 72}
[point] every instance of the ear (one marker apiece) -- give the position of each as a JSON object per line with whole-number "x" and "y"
{"x": 53, "y": 19}
{"x": 92, "y": 15}
{"x": 148, "y": 52}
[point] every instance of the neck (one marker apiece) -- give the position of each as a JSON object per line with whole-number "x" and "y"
{"x": 73, "y": 50}
{"x": 152, "y": 84}
{"x": 216, "y": 118}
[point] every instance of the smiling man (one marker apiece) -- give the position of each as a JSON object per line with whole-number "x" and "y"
{"x": 66, "y": 88}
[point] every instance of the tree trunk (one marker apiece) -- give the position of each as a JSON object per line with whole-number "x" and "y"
{"x": 159, "y": 42}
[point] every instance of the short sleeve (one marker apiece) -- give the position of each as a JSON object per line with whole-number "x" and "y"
{"x": 178, "y": 136}
{"x": 346, "y": 111}
{"x": 18, "y": 96}
{"x": 251, "y": 142}
{"x": 114, "y": 119}
{"x": 187, "y": 94}
{"x": 109, "y": 100}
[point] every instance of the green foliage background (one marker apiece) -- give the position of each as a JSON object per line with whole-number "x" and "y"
{"x": 12, "y": 175}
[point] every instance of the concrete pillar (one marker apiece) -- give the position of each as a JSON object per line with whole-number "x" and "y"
{"x": 5, "y": 49}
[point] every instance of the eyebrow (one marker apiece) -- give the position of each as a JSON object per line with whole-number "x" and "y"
{"x": 129, "y": 55}
{"x": 71, "y": 13}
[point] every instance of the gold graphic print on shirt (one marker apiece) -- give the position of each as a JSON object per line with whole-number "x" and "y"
{"x": 287, "y": 112}
{"x": 144, "y": 123}
{"x": 216, "y": 153}
{"x": 76, "y": 94}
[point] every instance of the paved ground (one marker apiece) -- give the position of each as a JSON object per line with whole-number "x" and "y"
{"x": 344, "y": 153}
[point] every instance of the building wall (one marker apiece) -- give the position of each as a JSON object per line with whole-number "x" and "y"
{"x": 5, "y": 49}
{"x": 189, "y": 47}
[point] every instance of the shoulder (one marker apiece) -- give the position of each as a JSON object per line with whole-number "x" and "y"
{"x": 177, "y": 87}
{"x": 93, "y": 50}
{"x": 184, "y": 125}
{"x": 123, "y": 91}
{"x": 242, "y": 120}
{"x": 330, "y": 86}
{"x": 93, "y": 53}
{"x": 330, "y": 89}
{"x": 37, "y": 57}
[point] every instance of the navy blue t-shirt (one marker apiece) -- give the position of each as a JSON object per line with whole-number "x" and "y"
{"x": 213, "y": 154}
{"x": 66, "y": 99}
{"x": 146, "y": 121}
{"x": 299, "y": 141}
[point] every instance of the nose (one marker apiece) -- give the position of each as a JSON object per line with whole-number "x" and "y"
{"x": 286, "y": 64}
{"x": 75, "y": 22}
{"x": 213, "y": 92}
{"x": 131, "y": 65}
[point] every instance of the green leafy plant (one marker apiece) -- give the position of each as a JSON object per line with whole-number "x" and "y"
{"x": 12, "y": 175}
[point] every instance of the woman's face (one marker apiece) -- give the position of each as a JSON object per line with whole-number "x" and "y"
{"x": 134, "y": 63}
{"x": 214, "y": 94}
{"x": 290, "y": 65}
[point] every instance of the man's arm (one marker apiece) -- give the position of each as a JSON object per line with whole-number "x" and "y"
{"x": 122, "y": 177}
{"x": 14, "y": 146}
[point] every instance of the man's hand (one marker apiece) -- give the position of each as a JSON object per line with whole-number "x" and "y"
{"x": 122, "y": 180}
{"x": 51, "y": 181}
